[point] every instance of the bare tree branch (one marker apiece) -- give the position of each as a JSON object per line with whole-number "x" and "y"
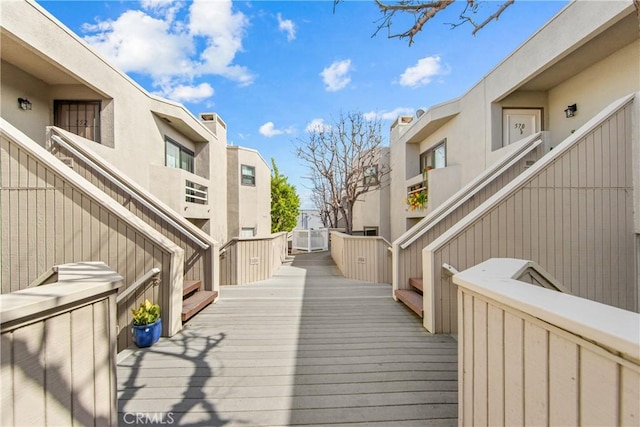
{"x": 424, "y": 10}
{"x": 477, "y": 27}
{"x": 338, "y": 158}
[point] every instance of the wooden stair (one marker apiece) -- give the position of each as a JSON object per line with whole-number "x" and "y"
{"x": 412, "y": 297}
{"x": 194, "y": 299}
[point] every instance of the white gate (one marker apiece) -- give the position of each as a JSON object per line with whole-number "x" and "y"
{"x": 310, "y": 240}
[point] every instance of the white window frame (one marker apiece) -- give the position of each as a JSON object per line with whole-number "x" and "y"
{"x": 251, "y": 178}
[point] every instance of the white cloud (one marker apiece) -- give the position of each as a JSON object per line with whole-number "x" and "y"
{"x": 336, "y": 76}
{"x": 269, "y": 130}
{"x": 166, "y": 8}
{"x": 190, "y": 93}
{"x": 388, "y": 115}
{"x": 153, "y": 42}
{"x": 223, "y": 30}
{"x": 137, "y": 42}
{"x": 287, "y": 26}
{"x": 317, "y": 125}
{"x": 423, "y": 72}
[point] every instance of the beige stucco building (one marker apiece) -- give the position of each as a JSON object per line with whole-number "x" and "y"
{"x": 156, "y": 143}
{"x": 96, "y": 168}
{"x": 539, "y": 160}
{"x": 371, "y": 211}
{"x": 248, "y": 193}
{"x": 585, "y": 57}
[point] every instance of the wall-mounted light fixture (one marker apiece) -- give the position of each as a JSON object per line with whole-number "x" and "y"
{"x": 571, "y": 110}
{"x": 24, "y": 103}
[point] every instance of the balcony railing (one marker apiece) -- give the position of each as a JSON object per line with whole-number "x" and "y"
{"x": 196, "y": 193}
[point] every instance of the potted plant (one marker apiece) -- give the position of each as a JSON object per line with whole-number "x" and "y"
{"x": 147, "y": 324}
{"x": 419, "y": 195}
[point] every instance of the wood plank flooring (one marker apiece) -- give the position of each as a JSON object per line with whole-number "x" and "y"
{"x": 306, "y": 347}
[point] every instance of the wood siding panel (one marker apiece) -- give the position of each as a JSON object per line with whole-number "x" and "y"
{"x": 252, "y": 260}
{"x": 29, "y": 375}
{"x": 581, "y": 235}
{"x": 71, "y": 227}
{"x": 630, "y": 391}
{"x": 410, "y": 259}
{"x": 563, "y": 381}
{"x": 598, "y": 390}
{"x": 480, "y": 362}
{"x": 495, "y": 366}
{"x": 7, "y": 396}
{"x": 535, "y": 375}
{"x": 515, "y": 369}
{"x": 195, "y": 259}
{"x": 362, "y": 258}
{"x": 60, "y": 369}
{"x": 466, "y": 351}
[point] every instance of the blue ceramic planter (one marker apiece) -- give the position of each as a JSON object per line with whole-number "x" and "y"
{"x": 146, "y": 335}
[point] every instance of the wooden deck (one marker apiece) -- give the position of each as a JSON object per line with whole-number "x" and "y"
{"x": 306, "y": 347}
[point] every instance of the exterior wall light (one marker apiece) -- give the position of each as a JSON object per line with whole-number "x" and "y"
{"x": 571, "y": 110}
{"x": 24, "y": 104}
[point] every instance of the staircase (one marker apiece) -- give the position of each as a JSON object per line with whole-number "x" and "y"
{"x": 194, "y": 298}
{"x": 196, "y": 244}
{"x": 412, "y": 297}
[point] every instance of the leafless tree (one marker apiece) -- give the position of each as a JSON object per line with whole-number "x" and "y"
{"x": 322, "y": 200}
{"x": 424, "y": 10}
{"x": 343, "y": 159}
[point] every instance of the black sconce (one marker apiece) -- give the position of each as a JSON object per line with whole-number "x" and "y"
{"x": 24, "y": 103}
{"x": 571, "y": 110}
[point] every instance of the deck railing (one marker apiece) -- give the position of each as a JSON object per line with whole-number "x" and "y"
{"x": 250, "y": 259}
{"x": 366, "y": 258}
{"x": 54, "y": 216}
{"x": 200, "y": 250}
{"x": 407, "y": 249}
{"x": 58, "y": 350}
{"x": 532, "y": 356}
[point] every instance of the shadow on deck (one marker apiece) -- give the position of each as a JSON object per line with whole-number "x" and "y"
{"x": 306, "y": 347}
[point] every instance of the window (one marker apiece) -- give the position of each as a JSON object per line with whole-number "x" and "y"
{"x": 247, "y": 232}
{"x": 248, "y": 175}
{"x": 79, "y": 117}
{"x": 370, "y": 231}
{"x": 370, "y": 175}
{"x": 435, "y": 157}
{"x": 177, "y": 156}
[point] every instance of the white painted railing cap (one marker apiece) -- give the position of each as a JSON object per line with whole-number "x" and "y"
{"x": 610, "y": 327}
{"x": 76, "y": 282}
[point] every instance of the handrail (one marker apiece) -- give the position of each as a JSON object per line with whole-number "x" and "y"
{"x": 124, "y": 187}
{"x": 42, "y": 279}
{"x": 468, "y": 191}
{"x": 131, "y": 289}
{"x": 235, "y": 240}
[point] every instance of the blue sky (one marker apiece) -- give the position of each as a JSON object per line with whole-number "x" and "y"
{"x": 272, "y": 69}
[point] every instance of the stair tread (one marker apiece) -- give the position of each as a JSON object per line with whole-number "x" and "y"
{"x": 189, "y": 286}
{"x": 416, "y": 282}
{"x": 411, "y": 299}
{"x": 196, "y": 302}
